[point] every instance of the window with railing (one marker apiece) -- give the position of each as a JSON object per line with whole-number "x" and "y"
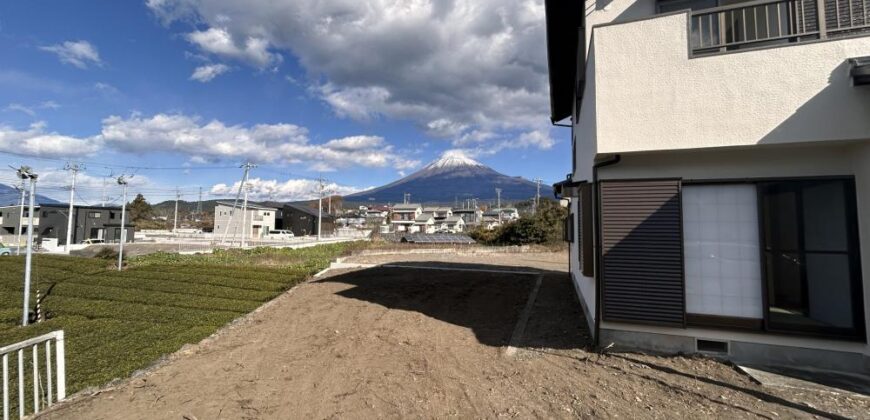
{"x": 719, "y": 26}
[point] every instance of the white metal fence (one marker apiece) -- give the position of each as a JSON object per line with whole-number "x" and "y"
{"x": 48, "y": 386}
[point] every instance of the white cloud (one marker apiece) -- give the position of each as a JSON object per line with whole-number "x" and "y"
{"x": 77, "y": 53}
{"x": 469, "y": 71}
{"x": 20, "y": 108}
{"x": 208, "y": 72}
{"x": 290, "y": 190}
{"x": 263, "y": 143}
{"x": 249, "y": 49}
{"x": 210, "y": 141}
{"x": 31, "y": 110}
{"x": 36, "y": 141}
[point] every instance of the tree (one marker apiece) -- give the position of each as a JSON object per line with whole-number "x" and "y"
{"x": 140, "y": 210}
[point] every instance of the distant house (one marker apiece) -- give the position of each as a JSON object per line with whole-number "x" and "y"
{"x": 258, "y": 220}
{"x": 424, "y": 223}
{"x": 490, "y": 221}
{"x": 50, "y": 221}
{"x": 471, "y": 217}
{"x": 376, "y": 212}
{"x": 439, "y": 213}
{"x": 302, "y": 220}
{"x": 403, "y": 216}
{"x": 450, "y": 224}
{"x": 507, "y": 213}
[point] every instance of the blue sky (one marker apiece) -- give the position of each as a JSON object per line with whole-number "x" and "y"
{"x": 360, "y": 92}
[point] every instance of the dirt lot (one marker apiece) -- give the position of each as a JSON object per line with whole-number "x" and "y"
{"x": 405, "y": 342}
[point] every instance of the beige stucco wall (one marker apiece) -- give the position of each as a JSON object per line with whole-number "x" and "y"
{"x": 650, "y": 95}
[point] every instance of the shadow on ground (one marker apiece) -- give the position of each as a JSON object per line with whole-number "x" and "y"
{"x": 471, "y": 296}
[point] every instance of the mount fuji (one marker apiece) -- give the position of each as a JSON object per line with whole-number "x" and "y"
{"x": 452, "y": 177}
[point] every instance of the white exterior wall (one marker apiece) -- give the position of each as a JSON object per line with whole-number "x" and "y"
{"x": 254, "y": 217}
{"x": 650, "y": 95}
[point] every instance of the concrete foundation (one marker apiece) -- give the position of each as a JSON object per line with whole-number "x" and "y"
{"x": 740, "y": 351}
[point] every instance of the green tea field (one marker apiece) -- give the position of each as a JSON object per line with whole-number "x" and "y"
{"x": 119, "y": 322}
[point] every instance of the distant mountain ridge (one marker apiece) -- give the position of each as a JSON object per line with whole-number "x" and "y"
{"x": 10, "y": 196}
{"x": 452, "y": 177}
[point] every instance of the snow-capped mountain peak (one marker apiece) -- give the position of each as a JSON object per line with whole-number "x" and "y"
{"x": 452, "y": 159}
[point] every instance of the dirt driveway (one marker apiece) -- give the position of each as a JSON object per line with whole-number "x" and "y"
{"x": 418, "y": 342}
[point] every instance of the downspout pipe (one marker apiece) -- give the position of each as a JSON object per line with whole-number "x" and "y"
{"x": 597, "y": 245}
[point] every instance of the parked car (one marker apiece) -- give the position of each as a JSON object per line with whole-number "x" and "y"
{"x": 5, "y": 250}
{"x": 93, "y": 241}
{"x": 280, "y": 234}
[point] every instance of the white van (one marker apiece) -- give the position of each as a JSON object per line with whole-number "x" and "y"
{"x": 280, "y": 234}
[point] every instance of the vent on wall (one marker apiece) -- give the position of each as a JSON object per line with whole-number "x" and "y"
{"x": 711, "y": 346}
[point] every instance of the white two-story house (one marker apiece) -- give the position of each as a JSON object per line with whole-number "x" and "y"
{"x": 255, "y": 223}
{"x": 720, "y": 192}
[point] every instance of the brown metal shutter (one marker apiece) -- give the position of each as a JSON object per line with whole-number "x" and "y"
{"x": 642, "y": 252}
{"x": 586, "y": 245}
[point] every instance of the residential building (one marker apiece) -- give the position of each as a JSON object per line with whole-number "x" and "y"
{"x": 51, "y": 220}
{"x": 507, "y": 214}
{"x": 450, "y": 224}
{"x": 720, "y": 191}
{"x": 424, "y": 223}
{"x": 471, "y": 217}
{"x": 302, "y": 220}
{"x": 439, "y": 213}
{"x": 256, "y": 223}
{"x": 402, "y": 216}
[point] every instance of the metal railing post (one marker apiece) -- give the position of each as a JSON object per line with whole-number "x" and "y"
{"x": 61, "y": 366}
{"x": 820, "y": 19}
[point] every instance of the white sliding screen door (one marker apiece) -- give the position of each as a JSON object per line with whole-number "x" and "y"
{"x": 721, "y": 250}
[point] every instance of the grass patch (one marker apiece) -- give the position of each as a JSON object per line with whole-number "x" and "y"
{"x": 120, "y": 322}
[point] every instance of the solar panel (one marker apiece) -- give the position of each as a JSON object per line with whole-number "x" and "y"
{"x": 437, "y": 238}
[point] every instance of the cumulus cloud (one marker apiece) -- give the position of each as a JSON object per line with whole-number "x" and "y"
{"x": 37, "y": 141}
{"x": 208, "y": 72}
{"x": 250, "y": 49}
{"x": 464, "y": 70}
{"x": 290, "y": 190}
{"x": 209, "y": 141}
{"x": 80, "y": 54}
{"x": 264, "y": 143}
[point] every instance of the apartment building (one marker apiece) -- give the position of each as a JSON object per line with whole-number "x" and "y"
{"x": 720, "y": 191}
{"x": 255, "y": 223}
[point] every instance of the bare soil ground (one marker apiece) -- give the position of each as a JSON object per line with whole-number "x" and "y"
{"x": 406, "y": 342}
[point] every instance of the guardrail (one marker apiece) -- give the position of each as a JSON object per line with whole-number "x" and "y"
{"x": 42, "y": 397}
{"x": 770, "y": 22}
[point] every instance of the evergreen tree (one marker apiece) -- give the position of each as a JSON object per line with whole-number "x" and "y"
{"x": 139, "y": 209}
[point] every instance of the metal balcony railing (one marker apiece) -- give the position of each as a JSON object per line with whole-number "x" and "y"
{"x": 771, "y": 22}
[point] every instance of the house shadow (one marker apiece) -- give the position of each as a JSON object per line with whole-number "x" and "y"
{"x": 476, "y": 297}
{"x": 812, "y": 121}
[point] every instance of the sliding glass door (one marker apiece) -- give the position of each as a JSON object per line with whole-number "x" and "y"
{"x": 812, "y": 271}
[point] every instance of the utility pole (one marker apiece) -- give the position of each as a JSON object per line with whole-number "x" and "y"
{"x": 247, "y": 167}
{"x": 103, "y": 196}
{"x": 20, "y": 215}
{"x": 537, "y": 195}
{"x": 175, "y": 220}
{"x": 244, "y": 240}
{"x": 123, "y": 183}
{"x": 199, "y": 204}
{"x": 25, "y": 173}
{"x": 498, "y": 203}
{"x": 319, "y": 205}
{"x": 70, "y": 226}
{"x": 407, "y": 198}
